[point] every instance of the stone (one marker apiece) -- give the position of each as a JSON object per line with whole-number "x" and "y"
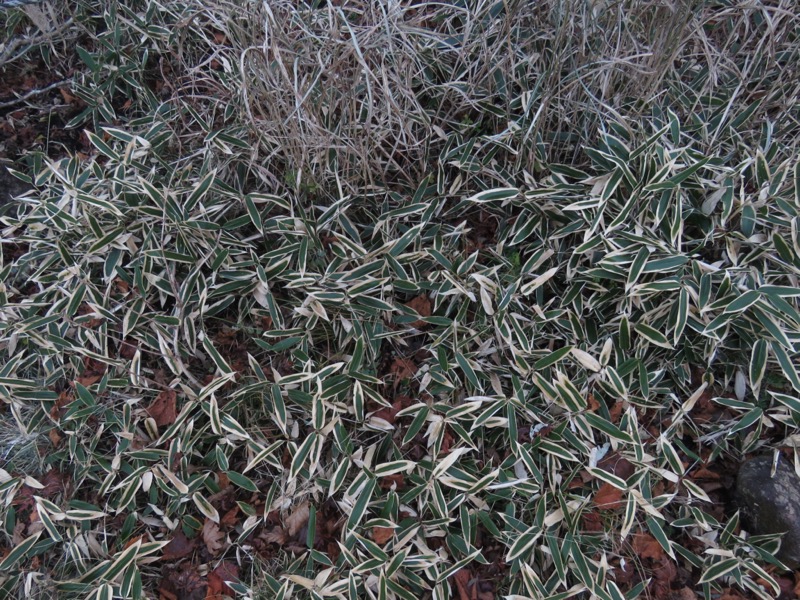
{"x": 771, "y": 504}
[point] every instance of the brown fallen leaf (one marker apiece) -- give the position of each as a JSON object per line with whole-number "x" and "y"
{"x": 617, "y": 465}
{"x": 663, "y": 577}
{"x": 394, "y": 481}
{"x": 389, "y": 413}
{"x": 276, "y": 535}
{"x": 54, "y": 482}
{"x": 381, "y": 535}
{"x": 703, "y": 472}
{"x": 218, "y": 580}
{"x": 685, "y": 593}
{"x": 164, "y": 409}
{"x": 88, "y": 380}
{"x": 423, "y": 307}
{"x": 608, "y": 497}
{"x": 297, "y": 519}
{"x": 646, "y": 546}
{"x": 92, "y": 323}
{"x": 616, "y": 411}
{"x": 55, "y": 438}
{"x": 60, "y": 405}
{"x": 592, "y": 521}
{"x": 183, "y": 583}
{"x": 127, "y": 348}
{"x": 132, "y": 541}
{"x": 213, "y": 538}
{"x": 230, "y": 518}
{"x": 402, "y": 368}
{"x": 178, "y": 547}
{"x": 462, "y": 579}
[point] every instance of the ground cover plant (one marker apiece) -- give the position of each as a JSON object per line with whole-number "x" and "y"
{"x": 395, "y": 300}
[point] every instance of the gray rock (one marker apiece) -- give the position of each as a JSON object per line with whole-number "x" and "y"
{"x": 772, "y": 504}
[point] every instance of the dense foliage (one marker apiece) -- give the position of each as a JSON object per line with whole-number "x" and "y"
{"x": 400, "y": 301}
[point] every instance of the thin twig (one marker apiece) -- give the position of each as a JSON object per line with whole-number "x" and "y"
{"x": 34, "y": 92}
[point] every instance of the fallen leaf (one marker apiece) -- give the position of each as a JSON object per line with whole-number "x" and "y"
{"x": 786, "y": 585}
{"x": 703, "y": 472}
{"x": 297, "y": 519}
{"x": 132, "y": 541}
{"x": 389, "y": 413}
{"x": 592, "y": 521}
{"x": 402, "y": 368}
{"x": 423, "y": 307}
{"x": 68, "y": 98}
{"x": 381, "y": 535}
{"x": 178, "y": 547}
{"x": 276, "y": 535}
{"x": 60, "y": 405}
{"x": 608, "y": 497}
{"x": 615, "y": 412}
{"x": 462, "y": 579}
{"x": 127, "y": 348}
{"x": 163, "y": 409}
{"x": 212, "y": 536}
{"x": 617, "y": 465}
{"x": 55, "y": 438}
{"x": 731, "y": 595}
{"x": 53, "y": 482}
{"x": 646, "y": 546}
{"x": 663, "y": 575}
{"x": 394, "y": 481}
{"x": 229, "y": 519}
{"x": 18, "y": 535}
{"x": 218, "y": 580}
{"x": 85, "y": 310}
{"x": 685, "y": 593}
{"x": 183, "y": 583}
{"x": 87, "y": 380}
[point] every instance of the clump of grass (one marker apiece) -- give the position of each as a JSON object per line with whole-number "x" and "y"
{"x": 21, "y": 442}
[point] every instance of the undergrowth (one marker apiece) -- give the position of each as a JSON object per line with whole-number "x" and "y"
{"x": 355, "y": 299}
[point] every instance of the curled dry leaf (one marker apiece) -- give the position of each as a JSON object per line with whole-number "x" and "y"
{"x": 381, "y": 535}
{"x": 213, "y": 537}
{"x": 164, "y": 409}
{"x": 646, "y": 546}
{"x": 391, "y": 482}
{"x": 422, "y": 305}
{"x": 276, "y": 535}
{"x": 297, "y": 519}
{"x": 230, "y": 518}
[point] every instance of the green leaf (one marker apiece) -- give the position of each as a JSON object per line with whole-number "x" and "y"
{"x": 787, "y": 366}
{"x": 719, "y": 569}
{"x": 652, "y": 335}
